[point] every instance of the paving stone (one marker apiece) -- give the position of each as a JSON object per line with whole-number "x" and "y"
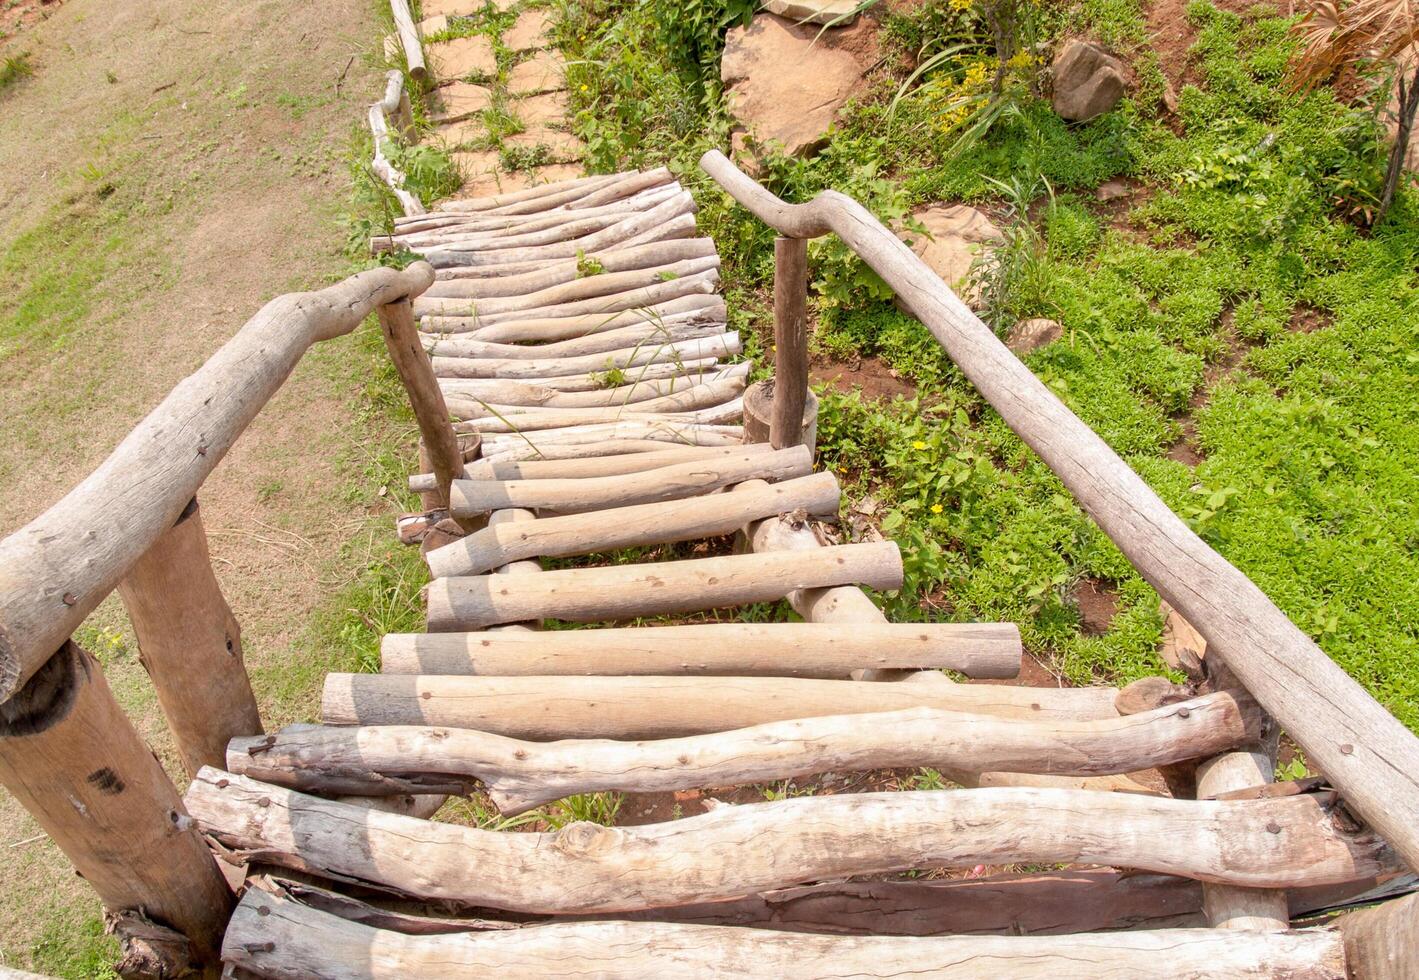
{"x": 557, "y": 172}
{"x": 460, "y": 100}
{"x": 540, "y": 110}
{"x": 451, "y": 8}
{"x": 956, "y": 234}
{"x": 839, "y": 13}
{"x": 543, "y": 72}
{"x": 462, "y": 57}
{"x": 563, "y": 146}
{"x": 1032, "y": 334}
{"x": 475, "y": 165}
{"x": 458, "y": 133}
{"x": 530, "y": 31}
{"x": 432, "y": 25}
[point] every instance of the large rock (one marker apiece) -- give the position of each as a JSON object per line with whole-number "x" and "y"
{"x": 839, "y": 13}
{"x": 782, "y": 87}
{"x": 956, "y": 235}
{"x": 1032, "y": 334}
{"x": 1088, "y": 81}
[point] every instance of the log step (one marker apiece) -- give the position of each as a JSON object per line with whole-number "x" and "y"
{"x": 656, "y": 588}
{"x": 274, "y": 934}
{"x": 821, "y": 650}
{"x": 520, "y": 775}
{"x": 733, "y": 851}
{"x": 543, "y": 707}
{"x": 661, "y": 522}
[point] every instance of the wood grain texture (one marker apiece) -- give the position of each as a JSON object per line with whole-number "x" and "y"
{"x": 55, "y": 570}
{"x": 731, "y": 649}
{"x": 732, "y": 851}
{"x": 673, "y": 352}
{"x": 409, "y": 39}
{"x": 543, "y": 708}
{"x": 521, "y": 775}
{"x": 790, "y": 341}
{"x": 1363, "y": 749}
{"x": 1382, "y": 943}
{"x": 279, "y": 937}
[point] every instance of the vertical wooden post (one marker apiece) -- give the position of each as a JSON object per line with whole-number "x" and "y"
{"x": 790, "y": 341}
{"x": 71, "y": 757}
{"x": 190, "y": 644}
{"x": 440, "y": 442}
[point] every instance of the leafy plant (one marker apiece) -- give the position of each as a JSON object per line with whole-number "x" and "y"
{"x": 13, "y": 69}
{"x": 1012, "y": 279}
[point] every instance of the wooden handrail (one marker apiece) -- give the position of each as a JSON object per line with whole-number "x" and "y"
{"x": 1364, "y": 751}
{"x": 394, "y": 106}
{"x": 55, "y": 570}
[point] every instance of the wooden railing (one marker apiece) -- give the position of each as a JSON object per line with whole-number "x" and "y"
{"x": 1364, "y": 751}
{"x": 67, "y": 751}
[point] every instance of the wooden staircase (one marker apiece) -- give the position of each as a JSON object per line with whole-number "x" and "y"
{"x": 574, "y": 330}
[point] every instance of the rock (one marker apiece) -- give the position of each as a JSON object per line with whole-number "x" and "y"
{"x": 1032, "y": 334}
{"x": 1087, "y": 81}
{"x": 783, "y": 88}
{"x": 462, "y": 57}
{"x": 458, "y": 133}
{"x": 432, "y": 25}
{"x": 839, "y": 13}
{"x": 543, "y": 72}
{"x": 541, "y": 110}
{"x": 529, "y": 32}
{"x": 562, "y": 147}
{"x": 956, "y": 234}
{"x": 460, "y": 100}
{"x": 1112, "y": 190}
{"x": 475, "y": 167}
{"x": 452, "y": 8}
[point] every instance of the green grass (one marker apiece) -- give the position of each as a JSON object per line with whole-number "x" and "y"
{"x": 13, "y": 69}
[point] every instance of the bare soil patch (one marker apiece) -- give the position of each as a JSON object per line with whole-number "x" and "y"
{"x": 870, "y": 375}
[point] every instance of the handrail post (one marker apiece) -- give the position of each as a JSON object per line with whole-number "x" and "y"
{"x": 190, "y": 644}
{"x": 416, "y": 372}
{"x": 72, "y": 758}
{"x": 790, "y": 342}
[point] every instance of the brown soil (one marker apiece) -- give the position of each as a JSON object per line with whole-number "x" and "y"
{"x": 1098, "y": 604}
{"x": 222, "y": 127}
{"x": 868, "y": 374}
{"x": 1186, "y": 450}
{"x": 1308, "y": 319}
{"x": 16, "y": 15}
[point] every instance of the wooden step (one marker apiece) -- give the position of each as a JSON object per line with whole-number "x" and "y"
{"x": 692, "y": 478}
{"x": 521, "y": 775}
{"x": 273, "y": 934}
{"x": 620, "y": 592}
{"x": 734, "y": 649}
{"x": 551, "y": 707}
{"x": 731, "y": 851}
{"x": 661, "y": 522}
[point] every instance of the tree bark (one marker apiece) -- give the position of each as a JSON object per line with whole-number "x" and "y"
{"x": 674, "y": 353}
{"x": 790, "y": 341}
{"x": 1382, "y": 943}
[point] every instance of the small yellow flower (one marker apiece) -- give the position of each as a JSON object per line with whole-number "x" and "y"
{"x": 936, "y": 508}
{"x": 918, "y": 445}
{"x": 585, "y": 87}
{"x": 959, "y": 5}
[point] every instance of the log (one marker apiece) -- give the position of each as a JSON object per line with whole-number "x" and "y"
{"x": 633, "y": 184}
{"x": 659, "y": 522}
{"x": 469, "y": 312}
{"x": 568, "y": 270}
{"x": 530, "y": 393}
{"x": 676, "y": 482}
{"x": 522, "y": 775}
{"x": 732, "y": 851}
{"x": 676, "y": 228}
{"x": 707, "y": 308}
{"x": 643, "y": 333}
{"x": 657, "y": 588}
{"x": 461, "y": 230}
{"x": 790, "y": 341}
{"x": 1382, "y": 943}
{"x": 57, "y": 569}
{"x": 703, "y": 368}
{"x": 759, "y": 409}
{"x": 614, "y": 445}
{"x": 604, "y": 466}
{"x": 383, "y": 168}
{"x": 274, "y": 935}
{"x": 538, "y": 197}
{"x": 190, "y": 644}
{"x": 401, "y": 340}
{"x": 552, "y": 707}
{"x": 670, "y": 395}
{"x": 543, "y": 232}
{"x": 1365, "y": 751}
{"x": 71, "y": 757}
{"x": 675, "y": 352}
{"x": 537, "y": 421}
{"x": 526, "y": 445}
{"x": 409, "y": 39}
{"x": 742, "y": 649}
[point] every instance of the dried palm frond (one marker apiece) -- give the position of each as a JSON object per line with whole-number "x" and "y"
{"x": 1334, "y": 36}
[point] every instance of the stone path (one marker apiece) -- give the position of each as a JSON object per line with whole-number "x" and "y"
{"x": 500, "y": 103}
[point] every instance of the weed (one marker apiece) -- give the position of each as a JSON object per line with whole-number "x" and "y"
{"x": 599, "y": 808}
{"x": 13, "y": 69}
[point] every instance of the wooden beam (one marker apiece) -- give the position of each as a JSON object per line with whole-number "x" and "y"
{"x": 522, "y": 775}
{"x": 57, "y": 569}
{"x": 409, "y": 40}
{"x": 552, "y": 707}
{"x": 656, "y": 588}
{"x": 1364, "y": 750}
{"x": 1382, "y": 943}
{"x": 734, "y": 649}
{"x": 190, "y": 644}
{"x": 737, "y": 850}
{"x": 790, "y": 342}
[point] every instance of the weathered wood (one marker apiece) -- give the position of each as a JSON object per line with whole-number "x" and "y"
{"x": 731, "y": 851}
{"x": 530, "y": 393}
{"x": 692, "y": 478}
{"x": 790, "y": 341}
{"x": 562, "y": 419}
{"x": 1364, "y": 750}
{"x": 551, "y": 707}
{"x": 1382, "y": 943}
{"x": 468, "y": 313}
{"x": 694, "y": 308}
{"x": 190, "y": 644}
{"x": 522, "y": 775}
{"x": 657, "y": 588}
{"x": 633, "y": 184}
{"x": 759, "y": 410}
{"x": 658, "y": 255}
{"x": 539, "y": 197}
{"x": 57, "y": 569}
{"x": 526, "y": 445}
{"x": 658, "y": 522}
{"x": 409, "y": 39}
{"x": 734, "y": 649}
{"x": 71, "y": 757}
{"x": 675, "y": 352}
{"x": 275, "y": 935}
{"x": 630, "y": 462}
{"x": 671, "y": 395}
{"x": 383, "y": 168}
{"x": 463, "y": 230}
{"x": 645, "y": 332}
{"x": 401, "y": 340}
{"x": 1240, "y": 908}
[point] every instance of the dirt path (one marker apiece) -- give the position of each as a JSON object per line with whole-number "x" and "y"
{"x": 166, "y": 170}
